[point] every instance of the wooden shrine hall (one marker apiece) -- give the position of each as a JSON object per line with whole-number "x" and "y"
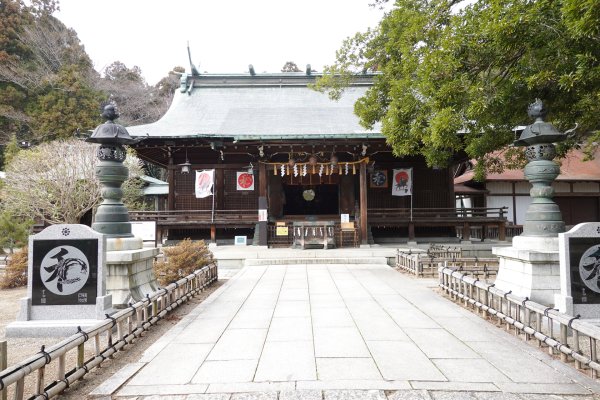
{"x": 291, "y": 167}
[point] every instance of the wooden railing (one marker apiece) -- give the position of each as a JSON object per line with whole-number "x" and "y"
{"x": 207, "y": 217}
{"x": 492, "y": 232}
{"x": 437, "y": 213}
{"x": 130, "y": 323}
{"x": 342, "y": 237}
{"x": 574, "y": 340}
{"x": 462, "y": 219}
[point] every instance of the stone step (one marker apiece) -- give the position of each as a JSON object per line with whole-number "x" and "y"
{"x": 318, "y": 260}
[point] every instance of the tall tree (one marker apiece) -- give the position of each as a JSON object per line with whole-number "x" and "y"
{"x": 45, "y": 75}
{"x": 290, "y": 66}
{"x": 138, "y": 102}
{"x": 55, "y": 182}
{"x": 455, "y": 81}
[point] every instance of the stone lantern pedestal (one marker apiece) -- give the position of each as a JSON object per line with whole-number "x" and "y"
{"x": 129, "y": 265}
{"x": 527, "y": 272}
{"x": 531, "y": 266}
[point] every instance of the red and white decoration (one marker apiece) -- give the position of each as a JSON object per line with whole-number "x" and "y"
{"x": 402, "y": 182}
{"x": 204, "y": 183}
{"x": 245, "y": 181}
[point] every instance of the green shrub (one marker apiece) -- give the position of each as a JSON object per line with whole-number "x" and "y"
{"x": 15, "y": 274}
{"x": 181, "y": 260}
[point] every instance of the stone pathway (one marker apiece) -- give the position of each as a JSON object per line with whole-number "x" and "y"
{"x": 341, "y": 331}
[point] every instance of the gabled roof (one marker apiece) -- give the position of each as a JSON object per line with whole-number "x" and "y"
{"x": 266, "y": 106}
{"x": 572, "y": 168}
{"x": 155, "y": 186}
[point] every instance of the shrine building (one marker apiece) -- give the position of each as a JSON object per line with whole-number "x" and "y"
{"x": 289, "y": 166}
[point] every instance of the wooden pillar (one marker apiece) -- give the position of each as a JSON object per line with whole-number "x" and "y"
{"x": 466, "y": 231}
{"x": 502, "y": 231}
{"x": 213, "y": 234}
{"x": 171, "y": 182}
{"x": 262, "y": 205}
{"x": 363, "y": 203}
{"x": 262, "y": 180}
{"x": 220, "y": 189}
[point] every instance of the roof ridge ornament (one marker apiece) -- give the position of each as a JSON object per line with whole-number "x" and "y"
{"x": 193, "y": 68}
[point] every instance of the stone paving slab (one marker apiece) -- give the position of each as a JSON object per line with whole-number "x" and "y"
{"x": 304, "y": 330}
{"x": 364, "y": 395}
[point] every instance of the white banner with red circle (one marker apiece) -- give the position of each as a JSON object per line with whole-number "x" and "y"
{"x": 402, "y": 182}
{"x": 204, "y": 183}
{"x": 245, "y": 181}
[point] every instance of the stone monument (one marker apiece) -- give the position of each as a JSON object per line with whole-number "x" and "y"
{"x": 128, "y": 263}
{"x": 530, "y": 267}
{"x": 66, "y": 283}
{"x": 580, "y": 271}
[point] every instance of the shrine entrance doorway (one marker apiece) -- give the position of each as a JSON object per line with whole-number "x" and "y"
{"x": 320, "y": 199}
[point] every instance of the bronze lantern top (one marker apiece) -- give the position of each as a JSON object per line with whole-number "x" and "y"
{"x": 540, "y": 132}
{"x": 110, "y": 132}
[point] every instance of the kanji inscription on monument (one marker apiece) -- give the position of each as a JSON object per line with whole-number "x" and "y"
{"x": 65, "y": 272}
{"x": 584, "y": 260}
{"x": 66, "y": 282}
{"x": 580, "y": 271}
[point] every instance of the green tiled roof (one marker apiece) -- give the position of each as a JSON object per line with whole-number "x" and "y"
{"x": 271, "y": 106}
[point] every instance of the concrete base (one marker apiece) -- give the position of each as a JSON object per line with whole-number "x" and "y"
{"x": 64, "y": 319}
{"x": 48, "y": 328}
{"x": 530, "y": 273}
{"x": 542, "y": 244}
{"x": 122, "y": 244}
{"x": 130, "y": 275}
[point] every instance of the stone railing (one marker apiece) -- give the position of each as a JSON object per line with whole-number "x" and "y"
{"x": 120, "y": 329}
{"x": 564, "y": 335}
{"x": 422, "y": 264}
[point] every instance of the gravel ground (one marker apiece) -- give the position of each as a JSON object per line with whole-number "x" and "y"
{"x": 20, "y": 349}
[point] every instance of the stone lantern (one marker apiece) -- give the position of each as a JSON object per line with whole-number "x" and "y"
{"x": 543, "y": 218}
{"x": 128, "y": 263}
{"x": 530, "y": 267}
{"x": 112, "y": 217}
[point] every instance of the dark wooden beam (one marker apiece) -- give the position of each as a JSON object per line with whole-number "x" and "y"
{"x": 363, "y": 203}
{"x": 262, "y": 180}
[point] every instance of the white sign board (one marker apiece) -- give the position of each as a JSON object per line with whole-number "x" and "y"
{"x": 240, "y": 240}
{"x": 345, "y": 218}
{"x": 144, "y": 229}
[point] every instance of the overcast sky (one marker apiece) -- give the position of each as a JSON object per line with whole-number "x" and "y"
{"x": 224, "y": 36}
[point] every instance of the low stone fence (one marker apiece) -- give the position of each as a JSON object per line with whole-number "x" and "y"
{"x": 422, "y": 264}
{"x": 120, "y": 330}
{"x": 574, "y": 340}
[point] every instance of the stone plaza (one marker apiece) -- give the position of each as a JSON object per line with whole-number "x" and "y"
{"x": 347, "y": 326}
